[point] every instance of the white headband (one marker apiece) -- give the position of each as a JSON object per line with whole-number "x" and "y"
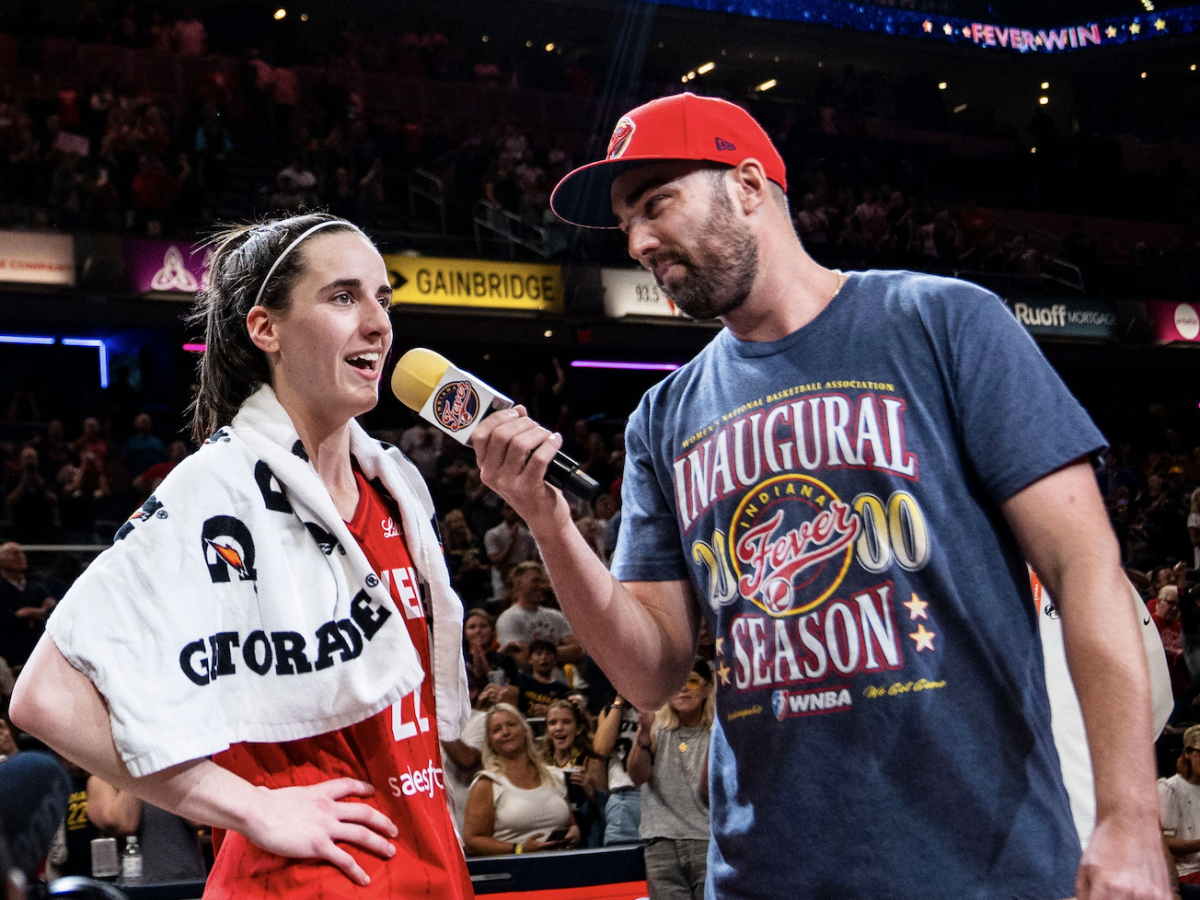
{"x": 288, "y": 249}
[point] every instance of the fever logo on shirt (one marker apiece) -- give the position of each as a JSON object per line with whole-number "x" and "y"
{"x": 456, "y": 405}
{"x": 793, "y": 539}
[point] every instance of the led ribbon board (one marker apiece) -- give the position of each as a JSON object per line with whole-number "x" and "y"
{"x": 990, "y": 35}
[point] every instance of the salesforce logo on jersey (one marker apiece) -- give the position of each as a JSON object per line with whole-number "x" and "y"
{"x": 1066, "y": 318}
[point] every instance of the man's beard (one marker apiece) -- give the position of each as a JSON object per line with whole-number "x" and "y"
{"x": 721, "y": 270}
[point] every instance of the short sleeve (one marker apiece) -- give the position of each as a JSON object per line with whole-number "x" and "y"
{"x": 508, "y": 629}
{"x": 561, "y": 626}
{"x": 1168, "y": 807}
{"x": 493, "y": 541}
{"x": 1017, "y": 420}
{"x": 648, "y": 546}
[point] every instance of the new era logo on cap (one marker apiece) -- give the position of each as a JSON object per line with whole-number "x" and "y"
{"x": 723, "y": 146}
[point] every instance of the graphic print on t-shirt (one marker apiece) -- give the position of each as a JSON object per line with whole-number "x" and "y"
{"x": 793, "y": 538}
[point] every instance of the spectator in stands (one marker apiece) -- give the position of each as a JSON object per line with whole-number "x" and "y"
{"x": 168, "y": 843}
{"x": 481, "y": 507}
{"x": 147, "y": 481}
{"x": 1193, "y": 526}
{"x": 1179, "y": 798}
{"x": 422, "y": 443}
{"x": 469, "y": 572}
{"x": 485, "y": 664}
{"x": 669, "y": 760}
{"x": 143, "y": 448}
{"x": 516, "y": 805}
{"x": 33, "y": 800}
{"x": 213, "y": 145}
{"x": 615, "y": 733}
{"x": 24, "y": 606}
{"x": 32, "y": 504}
{"x": 530, "y": 619}
{"x": 568, "y": 746}
{"x": 508, "y": 545}
{"x": 540, "y": 686}
{"x": 92, "y": 441}
{"x": 812, "y": 225}
{"x": 189, "y": 36}
{"x": 297, "y": 184}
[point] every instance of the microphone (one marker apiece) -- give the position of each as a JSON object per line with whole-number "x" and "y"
{"x": 454, "y": 402}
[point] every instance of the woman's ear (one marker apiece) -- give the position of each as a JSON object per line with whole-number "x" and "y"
{"x": 260, "y": 323}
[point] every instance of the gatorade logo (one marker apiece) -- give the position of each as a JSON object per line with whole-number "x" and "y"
{"x": 228, "y": 549}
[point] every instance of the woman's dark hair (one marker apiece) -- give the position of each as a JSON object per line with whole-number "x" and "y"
{"x": 232, "y": 367}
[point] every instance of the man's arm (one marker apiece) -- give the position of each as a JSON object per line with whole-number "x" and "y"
{"x": 642, "y": 634}
{"x": 569, "y": 650}
{"x": 1061, "y": 525}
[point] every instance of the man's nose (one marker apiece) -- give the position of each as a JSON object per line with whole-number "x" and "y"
{"x": 642, "y": 242}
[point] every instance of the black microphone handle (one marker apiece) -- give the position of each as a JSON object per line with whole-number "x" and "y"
{"x": 563, "y": 473}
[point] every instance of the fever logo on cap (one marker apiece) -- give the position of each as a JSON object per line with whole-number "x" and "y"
{"x": 456, "y": 405}
{"x": 620, "y": 137}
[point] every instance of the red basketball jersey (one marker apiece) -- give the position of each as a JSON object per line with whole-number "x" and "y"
{"x": 396, "y": 750}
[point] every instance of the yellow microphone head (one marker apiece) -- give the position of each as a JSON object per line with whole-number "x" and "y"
{"x": 416, "y": 375}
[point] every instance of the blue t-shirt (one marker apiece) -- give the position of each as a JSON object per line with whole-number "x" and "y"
{"x": 883, "y": 728}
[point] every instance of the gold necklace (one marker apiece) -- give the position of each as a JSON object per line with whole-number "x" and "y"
{"x": 842, "y": 278}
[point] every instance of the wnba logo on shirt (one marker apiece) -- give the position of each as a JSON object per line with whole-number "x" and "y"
{"x": 456, "y": 405}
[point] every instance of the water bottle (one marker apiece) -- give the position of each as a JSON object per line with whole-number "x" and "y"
{"x": 131, "y": 860}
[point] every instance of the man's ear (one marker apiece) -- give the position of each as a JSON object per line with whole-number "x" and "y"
{"x": 752, "y": 188}
{"x": 262, "y": 327}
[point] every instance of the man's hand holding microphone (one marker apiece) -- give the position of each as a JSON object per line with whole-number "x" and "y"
{"x": 518, "y": 458}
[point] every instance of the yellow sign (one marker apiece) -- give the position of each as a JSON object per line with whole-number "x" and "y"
{"x": 474, "y": 283}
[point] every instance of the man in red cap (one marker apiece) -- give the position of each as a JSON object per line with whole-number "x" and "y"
{"x": 846, "y": 484}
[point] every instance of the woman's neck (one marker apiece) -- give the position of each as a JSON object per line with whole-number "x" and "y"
{"x": 328, "y": 449}
{"x": 691, "y": 719}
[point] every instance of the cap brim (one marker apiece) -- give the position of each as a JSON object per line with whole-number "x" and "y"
{"x": 584, "y": 197}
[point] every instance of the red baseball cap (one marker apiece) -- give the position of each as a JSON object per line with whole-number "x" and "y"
{"x": 682, "y": 127}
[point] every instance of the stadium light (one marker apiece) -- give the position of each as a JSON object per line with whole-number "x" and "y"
{"x": 706, "y": 68}
{"x": 280, "y": 13}
{"x": 942, "y": 85}
{"x": 97, "y": 343}
{"x": 767, "y": 85}
{"x": 1043, "y": 100}
{"x": 550, "y": 47}
{"x": 960, "y": 107}
{"x": 1045, "y": 85}
{"x": 303, "y": 17}
{"x": 1143, "y": 74}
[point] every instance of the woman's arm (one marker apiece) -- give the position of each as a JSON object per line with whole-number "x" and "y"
{"x": 116, "y": 813}
{"x": 58, "y": 704}
{"x": 641, "y": 754}
{"x": 479, "y": 822}
{"x": 462, "y": 754}
{"x": 608, "y": 728}
{"x": 596, "y": 778}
